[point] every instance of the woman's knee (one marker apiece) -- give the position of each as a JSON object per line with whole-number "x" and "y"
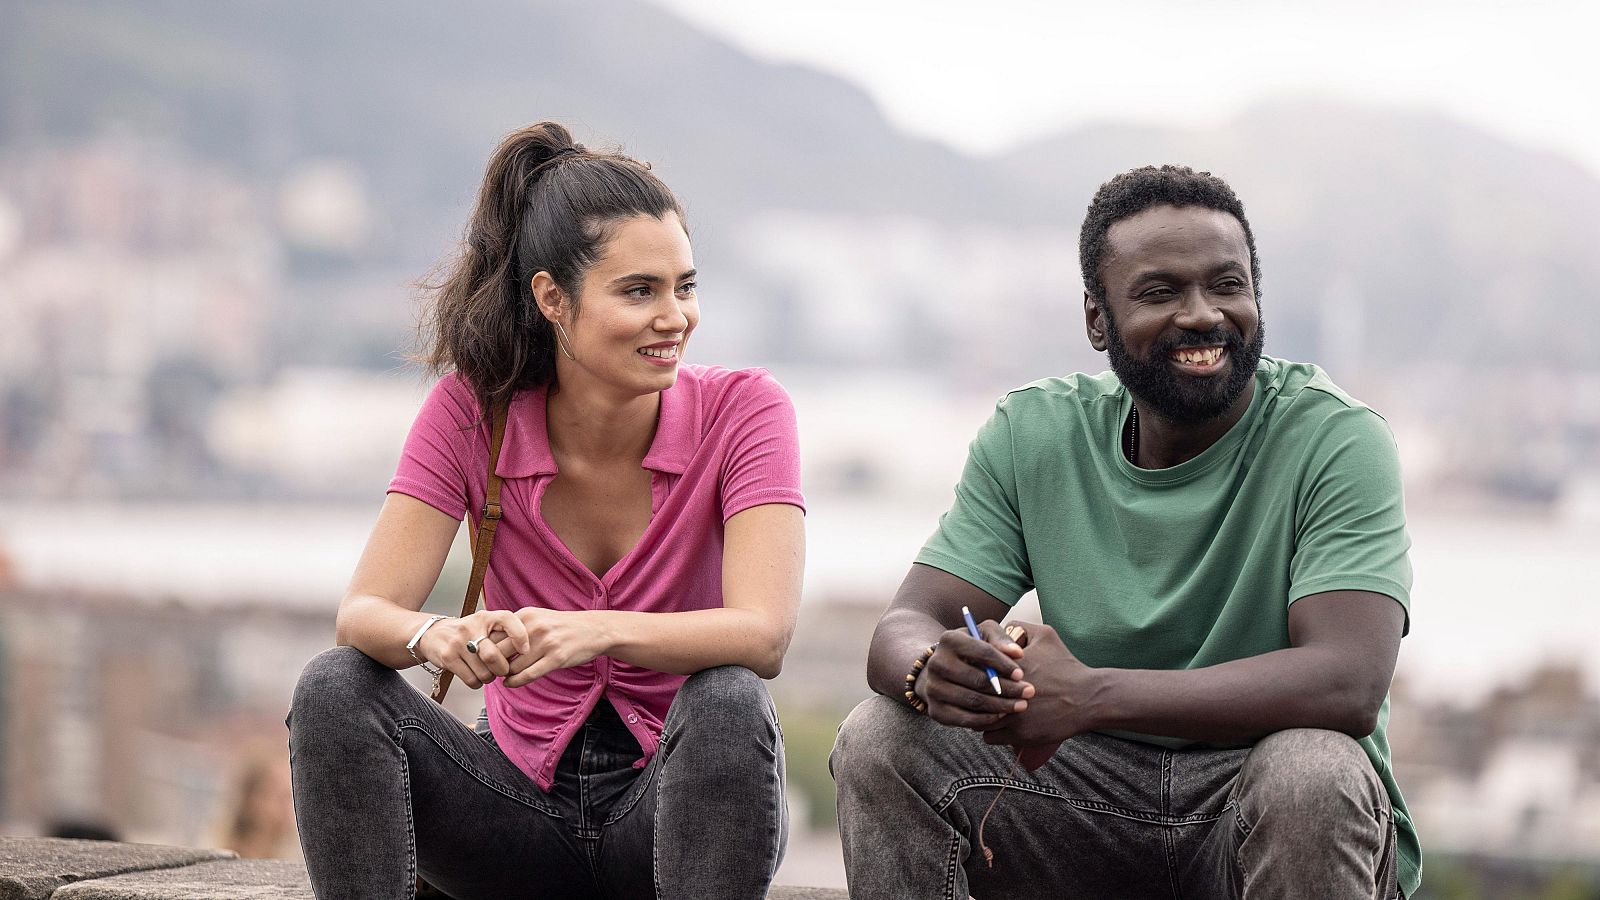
{"x": 337, "y": 680}
{"x": 724, "y": 718}
{"x": 727, "y": 697}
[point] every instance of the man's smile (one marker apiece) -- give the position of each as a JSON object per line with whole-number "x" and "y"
{"x": 1198, "y": 361}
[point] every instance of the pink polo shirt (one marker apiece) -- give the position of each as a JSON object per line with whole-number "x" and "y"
{"x": 725, "y": 441}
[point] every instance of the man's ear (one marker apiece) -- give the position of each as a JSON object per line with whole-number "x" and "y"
{"x": 1094, "y": 321}
{"x": 548, "y": 295}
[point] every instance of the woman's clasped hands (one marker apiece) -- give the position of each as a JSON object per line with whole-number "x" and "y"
{"x": 519, "y": 647}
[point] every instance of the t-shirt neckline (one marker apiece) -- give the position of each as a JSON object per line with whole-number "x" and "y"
{"x": 1190, "y": 469}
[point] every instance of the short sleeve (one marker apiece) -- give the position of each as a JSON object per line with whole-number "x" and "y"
{"x": 979, "y": 539}
{"x": 762, "y": 462}
{"x": 434, "y": 462}
{"x": 1350, "y": 526}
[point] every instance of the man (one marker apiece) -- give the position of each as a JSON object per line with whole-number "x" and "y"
{"x": 1219, "y": 549}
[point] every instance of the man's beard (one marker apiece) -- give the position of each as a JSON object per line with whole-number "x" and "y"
{"x": 1185, "y": 399}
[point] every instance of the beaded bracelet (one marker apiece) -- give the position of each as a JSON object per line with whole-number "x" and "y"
{"x": 911, "y": 679}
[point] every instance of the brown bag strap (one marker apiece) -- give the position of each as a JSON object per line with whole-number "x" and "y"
{"x": 483, "y": 542}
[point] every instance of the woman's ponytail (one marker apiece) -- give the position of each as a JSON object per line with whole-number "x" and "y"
{"x": 545, "y": 206}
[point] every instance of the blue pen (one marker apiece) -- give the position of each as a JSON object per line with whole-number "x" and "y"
{"x": 972, "y": 629}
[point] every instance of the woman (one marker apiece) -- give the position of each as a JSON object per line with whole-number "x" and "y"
{"x": 644, "y": 578}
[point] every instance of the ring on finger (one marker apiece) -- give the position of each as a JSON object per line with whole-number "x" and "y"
{"x": 472, "y": 645}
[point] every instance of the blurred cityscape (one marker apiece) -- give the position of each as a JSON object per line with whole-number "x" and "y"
{"x": 207, "y": 254}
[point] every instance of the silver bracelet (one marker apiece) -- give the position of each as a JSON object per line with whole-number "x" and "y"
{"x": 411, "y": 647}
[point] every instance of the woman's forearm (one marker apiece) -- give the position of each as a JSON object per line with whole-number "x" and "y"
{"x": 379, "y": 628}
{"x": 399, "y": 567}
{"x": 683, "y": 643}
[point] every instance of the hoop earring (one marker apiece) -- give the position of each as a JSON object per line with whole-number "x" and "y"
{"x": 563, "y": 341}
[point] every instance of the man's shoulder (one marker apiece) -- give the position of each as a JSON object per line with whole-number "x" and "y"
{"x": 1305, "y": 391}
{"x": 1077, "y": 389}
{"x": 1311, "y": 418}
{"x": 1049, "y": 416}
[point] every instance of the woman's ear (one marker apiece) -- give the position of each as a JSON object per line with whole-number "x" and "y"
{"x": 548, "y": 295}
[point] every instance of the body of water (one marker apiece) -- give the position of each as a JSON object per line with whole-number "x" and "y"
{"x": 1494, "y": 595}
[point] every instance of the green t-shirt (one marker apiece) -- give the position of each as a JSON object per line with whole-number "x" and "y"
{"x": 1196, "y": 564}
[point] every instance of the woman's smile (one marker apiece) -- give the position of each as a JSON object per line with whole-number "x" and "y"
{"x": 662, "y": 354}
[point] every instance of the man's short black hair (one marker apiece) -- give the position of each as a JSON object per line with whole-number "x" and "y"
{"x": 1134, "y": 192}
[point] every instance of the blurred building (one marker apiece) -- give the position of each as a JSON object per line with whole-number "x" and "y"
{"x": 144, "y": 651}
{"x": 1516, "y": 776}
{"x": 129, "y": 710}
{"x": 135, "y": 282}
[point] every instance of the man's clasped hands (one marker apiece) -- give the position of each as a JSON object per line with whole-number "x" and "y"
{"x": 1047, "y": 694}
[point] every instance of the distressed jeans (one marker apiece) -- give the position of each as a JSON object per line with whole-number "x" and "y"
{"x": 388, "y": 785}
{"x": 1301, "y": 814}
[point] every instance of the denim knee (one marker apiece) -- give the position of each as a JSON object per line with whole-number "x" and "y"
{"x": 726, "y": 698}
{"x": 1308, "y": 772}
{"x": 876, "y": 739}
{"x": 335, "y": 682}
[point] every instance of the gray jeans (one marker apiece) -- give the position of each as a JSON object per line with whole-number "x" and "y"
{"x": 388, "y": 785}
{"x": 1299, "y": 815}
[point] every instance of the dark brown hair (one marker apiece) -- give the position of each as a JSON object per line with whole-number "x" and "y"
{"x": 1135, "y": 191}
{"x": 546, "y": 205}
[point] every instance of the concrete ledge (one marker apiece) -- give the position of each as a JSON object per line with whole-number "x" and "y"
{"x": 263, "y": 879}
{"x": 34, "y": 868}
{"x": 54, "y": 869}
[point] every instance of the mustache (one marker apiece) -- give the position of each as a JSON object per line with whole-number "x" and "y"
{"x": 1225, "y": 336}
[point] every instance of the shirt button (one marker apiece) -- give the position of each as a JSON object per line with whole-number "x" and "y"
{"x": 632, "y": 719}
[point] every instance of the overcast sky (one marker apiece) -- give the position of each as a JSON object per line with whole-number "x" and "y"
{"x": 1018, "y": 69}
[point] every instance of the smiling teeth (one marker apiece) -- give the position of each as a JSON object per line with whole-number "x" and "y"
{"x": 1203, "y": 357}
{"x": 661, "y": 352}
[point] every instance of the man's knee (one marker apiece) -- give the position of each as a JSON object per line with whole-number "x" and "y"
{"x": 1308, "y": 771}
{"x": 875, "y": 740}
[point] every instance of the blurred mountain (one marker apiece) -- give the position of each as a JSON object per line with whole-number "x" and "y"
{"x": 1388, "y": 237}
{"x": 1398, "y": 236}
{"x": 417, "y": 94}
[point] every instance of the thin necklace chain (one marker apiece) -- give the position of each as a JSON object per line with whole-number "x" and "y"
{"x": 1133, "y": 436}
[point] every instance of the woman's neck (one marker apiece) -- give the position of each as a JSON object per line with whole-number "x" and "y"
{"x": 600, "y": 426}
